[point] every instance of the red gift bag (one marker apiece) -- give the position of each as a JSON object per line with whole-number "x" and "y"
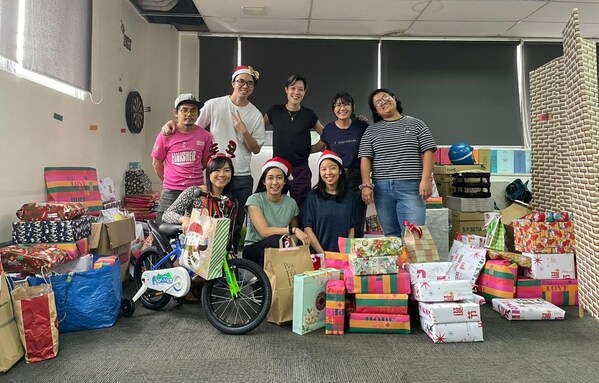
{"x": 35, "y": 312}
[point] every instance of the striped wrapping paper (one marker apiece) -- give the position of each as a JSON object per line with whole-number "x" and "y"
{"x": 339, "y": 261}
{"x": 381, "y": 323}
{"x": 382, "y": 303}
{"x": 335, "y": 308}
{"x": 528, "y": 288}
{"x": 498, "y": 279}
{"x": 378, "y": 284}
{"x": 74, "y": 184}
{"x": 74, "y": 249}
{"x": 560, "y": 292}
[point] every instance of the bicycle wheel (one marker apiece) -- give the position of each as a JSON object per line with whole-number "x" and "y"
{"x": 152, "y": 299}
{"x": 248, "y": 310}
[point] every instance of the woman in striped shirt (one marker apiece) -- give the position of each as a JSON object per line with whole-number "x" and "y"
{"x": 397, "y": 152}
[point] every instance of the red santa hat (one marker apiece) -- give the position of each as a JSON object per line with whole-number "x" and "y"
{"x": 245, "y": 69}
{"x": 278, "y": 162}
{"x": 330, "y": 155}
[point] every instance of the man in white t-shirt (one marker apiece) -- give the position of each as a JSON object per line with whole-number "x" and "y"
{"x": 235, "y": 118}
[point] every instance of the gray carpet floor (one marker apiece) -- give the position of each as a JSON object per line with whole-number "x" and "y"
{"x": 178, "y": 344}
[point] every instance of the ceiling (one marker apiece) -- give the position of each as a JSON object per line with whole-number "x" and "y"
{"x": 376, "y": 18}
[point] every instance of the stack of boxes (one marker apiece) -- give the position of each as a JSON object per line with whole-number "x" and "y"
{"x": 447, "y": 308}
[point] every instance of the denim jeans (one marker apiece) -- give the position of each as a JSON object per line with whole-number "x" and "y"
{"x": 397, "y": 201}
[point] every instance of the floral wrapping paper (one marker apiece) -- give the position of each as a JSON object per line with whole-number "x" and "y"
{"x": 52, "y": 231}
{"x": 382, "y": 303}
{"x": 428, "y": 271}
{"x": 453, "y": 332}
{"x": 371, "y": 247}
{"x": 378, "y": 284}
{"x": 527, "y": 309}
{"x": 373, "y": 265}
{"x": 467, "y": 262}
{"x": 551, "y": 266}
{"x": 498, "y": 279}
{"x": 309, "y": 299}
{"x": 51, "y": 211}
{"x": 442, "y": 291}
{"x": 548, "y": 216}
{"x": 379, "y": 323}
{"x": 517, "y": 258}
{"x": 32, "y": 259}
{"x": 335, "y": 308}
{"x": 544, "y": 237}
{"x": 449, "y": 312}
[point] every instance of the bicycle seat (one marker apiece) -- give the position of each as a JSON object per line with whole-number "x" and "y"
{"x": 170, "y": 230}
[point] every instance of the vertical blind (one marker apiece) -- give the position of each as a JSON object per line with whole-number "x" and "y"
{"x": 58, "y": 40}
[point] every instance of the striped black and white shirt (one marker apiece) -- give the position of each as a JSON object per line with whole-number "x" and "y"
{"x": 396, "y": 147}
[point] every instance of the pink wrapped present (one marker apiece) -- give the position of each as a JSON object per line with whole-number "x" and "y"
{"x": 73, "y": 249}
{"x": 382, "y": 303}
{"x": 551, "y": 266}
{"x": 498, "y": 279}
{"x": 385, "y": 323}
{"x": 528, "y": 288}
{"x": 378, "y": 284}
{"x": 335, "y": 308}
{"x": 560, "y": 292}
{"x": 527, "y": 309}
{"x": 453, "y": 332}
{"x": 442, "y": 291}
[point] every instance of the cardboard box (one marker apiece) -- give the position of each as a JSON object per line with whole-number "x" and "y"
{"x": 467, "y": 223}
{"x": 11, "y": 349}
{"x": 470, "y": 204}
{"x": 114, "y": 238}
{"x": 442, "y": 175}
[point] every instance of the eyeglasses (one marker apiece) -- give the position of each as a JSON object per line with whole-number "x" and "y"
{"x": 340, "y": 104}
{"x": 385, "y": 99}
{"x": 242, "y": 83}
{"x": 191, "y": 112}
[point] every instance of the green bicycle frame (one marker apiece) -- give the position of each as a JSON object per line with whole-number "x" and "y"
{"x": 231, "y": 279}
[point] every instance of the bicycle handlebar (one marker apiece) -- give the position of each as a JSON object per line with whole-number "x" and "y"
{"x": 200, "y": 193}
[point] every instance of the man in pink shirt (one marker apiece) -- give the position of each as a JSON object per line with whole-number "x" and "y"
{"x": 179, "y": 159}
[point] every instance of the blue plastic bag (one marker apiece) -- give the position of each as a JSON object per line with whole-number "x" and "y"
{"x": 86, "y": 300}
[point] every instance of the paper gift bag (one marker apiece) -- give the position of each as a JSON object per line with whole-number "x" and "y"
{"x": 35, "y": 311}
{"x": 281, "y": 265}
{"x": 205, "y": 246}
{"x": 495, "y": 239}
{"x": 420, "y": 244}
{"x": 11, "y": 349}
{"x": 309, "y": 299}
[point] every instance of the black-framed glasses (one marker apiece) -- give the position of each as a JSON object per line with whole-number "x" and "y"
{"x": 242, "y": 83}
{"x": 191, "y": 112}
{"x": 385, "y": 99}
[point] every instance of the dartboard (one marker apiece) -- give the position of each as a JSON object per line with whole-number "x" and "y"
{"x": 134, "y": 112}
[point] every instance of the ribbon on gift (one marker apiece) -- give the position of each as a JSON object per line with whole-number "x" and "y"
{"x": 415, "y": 229}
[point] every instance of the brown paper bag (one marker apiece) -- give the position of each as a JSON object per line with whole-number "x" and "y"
{"x": 35, "y": 311}
{"x": 11, "y": 349}
{"x": 281, "y": 265}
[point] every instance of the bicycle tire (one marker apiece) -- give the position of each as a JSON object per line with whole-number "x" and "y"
{"x": 237, "y": 316}
{"x": 151, "y": 299}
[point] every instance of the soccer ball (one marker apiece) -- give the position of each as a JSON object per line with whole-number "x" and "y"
{"x": 461, "y": 153}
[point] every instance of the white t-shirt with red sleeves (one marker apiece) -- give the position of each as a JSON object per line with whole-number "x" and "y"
{"x": 182, "y": 154}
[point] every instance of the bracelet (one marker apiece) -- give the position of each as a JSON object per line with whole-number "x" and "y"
{"x": 368, "y": 185}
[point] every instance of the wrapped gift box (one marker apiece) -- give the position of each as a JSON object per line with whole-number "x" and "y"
{"x": 378, "y": 284}
{"x": 51, "y": 211}
{"x": 551, "y": 266}
{"x": 382, "y": 303}
{"x": 371, "y": 247}
{"x": 498, "y": 279}
{"x": 527, "y": 309}
{"x": 73, "y": 249}
{"x": 471, "y": 240}
{"x": 453, "y": 332}
{"x": 373, "y": 265}
{"x": 449, "y": 312}
{"x": 309, "y": 299}
{"x": 560, "y": 292}
{"x": 528, "y": 288}
{"x": 386, "y": 323}
{"x": 428, "y": 271}
{"x": 517, "y": 258}
{"x": 544, "y": 237}
{"x": 339, "y": 261}
{"x": 467, "y": 262}
{"x": 32, "y": 259}
{"x": 52, "y": 231}
{"x": 335, "y": 308}
{"x": 442, "y": 291}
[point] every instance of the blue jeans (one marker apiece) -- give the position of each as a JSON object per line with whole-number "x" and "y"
{"x": 397, "y": 201}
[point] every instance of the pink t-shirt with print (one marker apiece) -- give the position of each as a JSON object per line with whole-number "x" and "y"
{"x": 182, "y": 154}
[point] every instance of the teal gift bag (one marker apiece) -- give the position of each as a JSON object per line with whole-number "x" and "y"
{"x": 309, "y": 299}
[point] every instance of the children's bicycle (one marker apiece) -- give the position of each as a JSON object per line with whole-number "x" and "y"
{"x": 235, "y": 303}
